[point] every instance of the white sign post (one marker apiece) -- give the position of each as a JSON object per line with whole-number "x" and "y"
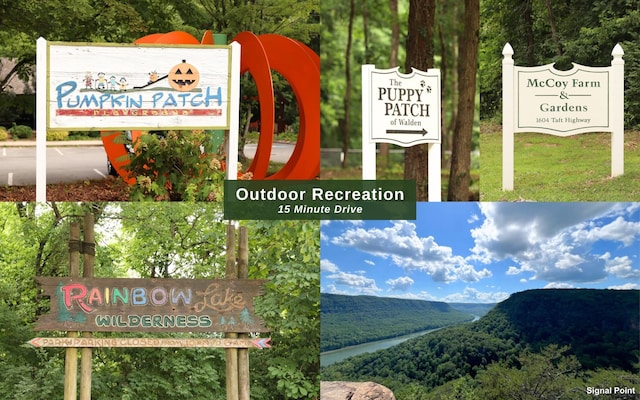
{"x": 90, "y": 86}
{"x": 562, "y": 103}
{"x": 402, "y": 109}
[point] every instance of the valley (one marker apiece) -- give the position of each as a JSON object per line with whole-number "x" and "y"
{"x": 582, "y": 337}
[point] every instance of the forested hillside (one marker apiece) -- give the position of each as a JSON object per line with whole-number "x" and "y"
{"x": 350, "y": 320}
{"x": 590, "y": 330}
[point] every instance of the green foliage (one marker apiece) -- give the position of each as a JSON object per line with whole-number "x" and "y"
{"x": 350, "y": 320}
{"x": 57, "y": 135}
{"x": 21, "y": 131}
{"x": 549, "y": 374}
{"x": 22, "y": 21}
{"x": 177, "y": 240}
{"x": 596, "y": 329}
{"x": 4, "y": 134}
{"x": 290, "y": 306}
{"x": 599, "y": 325}
{"x": 175, "y": 168}
{"x": 586, "y": 32}
{"x": 18, "y": 109}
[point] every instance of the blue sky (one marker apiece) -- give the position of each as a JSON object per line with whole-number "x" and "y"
{"x": 483, "y": 252}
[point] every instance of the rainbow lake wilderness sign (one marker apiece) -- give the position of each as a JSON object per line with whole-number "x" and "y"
{"x": 150, "y": 305}
{"x": 111, "y": 87}
{"x": 401, "y": 109}
{"x": 562, "y": 103}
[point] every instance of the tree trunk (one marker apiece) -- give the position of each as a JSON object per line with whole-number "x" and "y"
{"x": 554, "y": 29}
{"x": 459, "y": 178}
{"x": 344, "y": 124}
{"x": 420, "y": 56}
{"x": 528, "y": 27}
{"x": 393, "y": 62}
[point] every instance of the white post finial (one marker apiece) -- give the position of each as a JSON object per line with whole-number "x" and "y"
{"x": 616, "y": 96}
{"x": 617, "y": 51}
{"x": 507, "y": 117}
{"x": 507, "y": 50}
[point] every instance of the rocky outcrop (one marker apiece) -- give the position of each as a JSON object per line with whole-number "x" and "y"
{"x": 354, "y": 391}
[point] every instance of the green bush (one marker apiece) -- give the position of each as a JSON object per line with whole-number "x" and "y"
{"x": 4, "y": 135}
{"x": 57, "y": 135}
{"x": 174, "y": 168}
{"x": 21, "y": 132}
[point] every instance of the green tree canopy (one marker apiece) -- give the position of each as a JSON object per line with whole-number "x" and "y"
{"x": 543, "y": 32}
{"x": 172, "y": 240}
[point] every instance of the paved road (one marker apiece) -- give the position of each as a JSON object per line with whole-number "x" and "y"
{"x": 72, "y": 163}
{"x": 64, "y": 164}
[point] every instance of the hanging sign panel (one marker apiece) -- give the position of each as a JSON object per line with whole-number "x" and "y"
{"x": 404, "y": 108}
{"x": 562, "y": 103}
{"x": 106, "y": 86}
{"x": 259, "y": 343}
{"x": 150, "y": 305}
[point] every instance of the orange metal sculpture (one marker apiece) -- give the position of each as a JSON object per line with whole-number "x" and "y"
{"x": 298, "y": 64}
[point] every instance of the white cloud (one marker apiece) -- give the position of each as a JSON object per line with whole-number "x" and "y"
{"x": 509, "y": 229}
{"x": 555, "y": 240}
{"x": 618, "y": 230}
{"x": 402, "y": 283}
{"x": 406, "y": 249}
{"x": 622, "y": 267}
{"x": 626, "y": 286}
{"x": 328, "y": 266}
{"x": 471, "y": 295}
{"x": 558, "y": 285}
{"x": 360, "y": 283}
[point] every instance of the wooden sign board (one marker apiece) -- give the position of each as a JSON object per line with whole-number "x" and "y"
{"x": 404, "y": 109}
{"x": 118, "y": 86}
{"x": 260, "y": 343}
{"x": 150, "y": 305}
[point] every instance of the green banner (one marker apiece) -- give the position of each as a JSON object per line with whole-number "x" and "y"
{"x": 345, "y": 199}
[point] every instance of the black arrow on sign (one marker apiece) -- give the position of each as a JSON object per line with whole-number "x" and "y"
{"x": 407, "y": 132}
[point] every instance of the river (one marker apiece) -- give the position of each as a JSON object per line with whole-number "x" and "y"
{"x": 334, "y": 356}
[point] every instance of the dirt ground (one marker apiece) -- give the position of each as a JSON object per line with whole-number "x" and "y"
{"x": 103, "y": 190}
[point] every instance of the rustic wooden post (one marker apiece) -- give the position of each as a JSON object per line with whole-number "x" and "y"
{"x": 243, "y": 354}
{"x": 88, "y": 251}
{"x": 71, "y": 354}
{"x": 232, "y": 353}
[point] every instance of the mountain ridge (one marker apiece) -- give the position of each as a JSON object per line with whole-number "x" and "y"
{"x": 599, "y": 326}
{"x": 351, "y": 320}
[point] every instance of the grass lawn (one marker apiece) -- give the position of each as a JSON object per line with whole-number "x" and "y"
{"x": 395, "y": 171}
{"x": 552, "y": 168}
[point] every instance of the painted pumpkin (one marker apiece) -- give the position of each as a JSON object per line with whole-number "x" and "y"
{"x": 184, "y": 77}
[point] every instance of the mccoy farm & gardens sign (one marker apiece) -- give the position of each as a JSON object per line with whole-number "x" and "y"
{"x": 562, "y": 103}
{"x": 150, "y": 305}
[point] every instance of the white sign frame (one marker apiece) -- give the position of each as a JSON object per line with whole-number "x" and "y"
{"x": 562, "y": 103}
{"x": 105, "y": 86}
{"x": 221, "y": 68}
{"x": 381, "y": 124}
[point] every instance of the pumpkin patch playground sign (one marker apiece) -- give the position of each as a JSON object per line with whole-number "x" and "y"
{"x": 138, "y": 86}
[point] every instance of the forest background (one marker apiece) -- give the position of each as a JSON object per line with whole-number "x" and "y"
{"x": 23, "y": 21}
{"x": 561, "y": 32}
{"x": 159, "y": 240}
{"x": 407, "y": 33}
